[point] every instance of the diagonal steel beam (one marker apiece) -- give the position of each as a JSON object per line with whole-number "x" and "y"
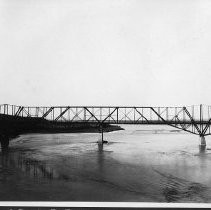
{"x": 206, "y": 127}
{"x": 126, "y": 114}
{"x": 76, "y": 114}
{"x": 62, "y": 113}
{"x": 192, "y": 121}
{"x": 166, "y": 122}
{"x": 92, "y": 115}
{"x": 48, "y": 112}
{"x": 27, "y": 113}
{"x": 19, "y": 111}
{"x": 94, "y": 112}
{"x": 177, "y": 114}
{"x": 141, "y": 115}
{"x": 109, "y": 115}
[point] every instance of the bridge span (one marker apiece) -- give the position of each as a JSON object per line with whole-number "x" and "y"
{"x": 194, "y": 119}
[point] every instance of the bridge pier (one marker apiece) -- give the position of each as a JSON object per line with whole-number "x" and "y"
{"x": 203, "y": 141}
{"x": 202, "y": 145}
{"x": 4, "y": 140}
{"x": 102, "y": 139}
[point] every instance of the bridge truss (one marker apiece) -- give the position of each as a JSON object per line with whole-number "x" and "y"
{"x": 193, "y": 119}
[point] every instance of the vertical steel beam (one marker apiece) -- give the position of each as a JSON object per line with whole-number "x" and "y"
{"x": 167, "y": 113}
{"x": 84, "y": 113}
{"x": 201, "y": 128}
{"x": 159, "y": 113}
{"x": 117, "y": 111}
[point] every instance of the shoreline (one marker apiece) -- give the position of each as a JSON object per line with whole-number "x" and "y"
{"x": 108, "y": 129}
{"x": 11, "y": 127}
{"x": 80, "y": 129}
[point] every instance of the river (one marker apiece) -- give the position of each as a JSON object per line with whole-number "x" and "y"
{"x": 140, "y": 163}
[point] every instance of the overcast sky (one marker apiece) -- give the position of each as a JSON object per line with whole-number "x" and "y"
{"x": 105, "y": 52}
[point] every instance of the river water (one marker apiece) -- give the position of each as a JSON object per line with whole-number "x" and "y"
{"x": 140, "y": 163}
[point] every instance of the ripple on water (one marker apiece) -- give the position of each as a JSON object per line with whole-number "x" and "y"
{"x": 180, "y": 190}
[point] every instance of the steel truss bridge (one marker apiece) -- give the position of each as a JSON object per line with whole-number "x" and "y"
{"x": 193, "y": 119}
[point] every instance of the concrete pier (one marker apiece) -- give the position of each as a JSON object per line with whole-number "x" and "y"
{"x": 202, "y": 145}
{"x": 102, "y": 141}
{"x": 203, "y": 141}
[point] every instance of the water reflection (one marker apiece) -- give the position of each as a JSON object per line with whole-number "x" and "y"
{"x": 100, "y": 158}
{"x": 100, "y": 148}
{"x": 165, "y": 168}
{"x": 202, "y": 149}
{"x": 37, "y": 169}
